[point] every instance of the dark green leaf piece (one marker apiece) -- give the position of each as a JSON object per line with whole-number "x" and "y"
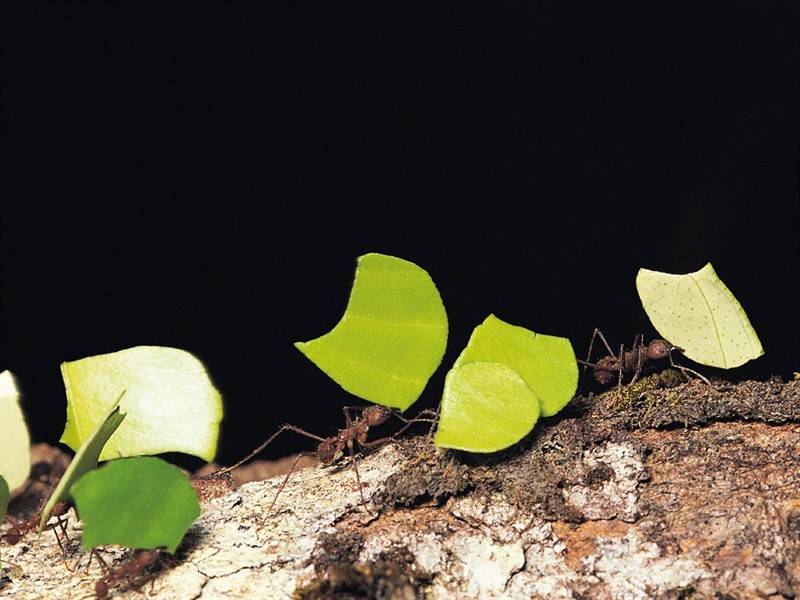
{"x": 140, "y": 502}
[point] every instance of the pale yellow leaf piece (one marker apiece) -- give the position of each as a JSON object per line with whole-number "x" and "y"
{"x": 15, "y": 461}
{"x": 170, "y": 403}
{"x": 699, "y": 314}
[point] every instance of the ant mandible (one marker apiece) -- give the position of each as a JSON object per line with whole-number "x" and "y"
{"x": 355, "y": 432}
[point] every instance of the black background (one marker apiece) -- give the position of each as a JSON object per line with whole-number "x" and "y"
{"x": 204, "y": 176}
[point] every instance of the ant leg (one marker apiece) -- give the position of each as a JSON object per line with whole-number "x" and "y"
{"x": 426, "y": 411}
{"x": 587, "y": 363}
{"x": 346, "y": 411}
{"x": 638, "y": 347}
{"x": 685, "y": 370}
{"x": 619, "y": 379}
{"x": 408, "y": 423}
{"x": 58, "y": 537}
{"x": 270, "y": 439}
{"x": 605, "y": 342}
{"x": 286, "y": 479}
{"x": 94, "y": 552}
{"x": 437, "y": 412}
{"x": 358, "y": 477}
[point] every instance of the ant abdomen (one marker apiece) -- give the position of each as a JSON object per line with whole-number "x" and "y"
{"x": 12, "y": 537}
{"x": 326, "y": 452}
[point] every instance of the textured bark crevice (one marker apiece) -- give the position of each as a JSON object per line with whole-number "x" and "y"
{"x": 682, "y": 492}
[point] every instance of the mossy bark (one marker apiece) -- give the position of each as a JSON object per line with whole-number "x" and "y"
{"x": 684, "y": 492}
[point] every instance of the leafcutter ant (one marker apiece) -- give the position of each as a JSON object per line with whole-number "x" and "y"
{"x": 19, "y": 528}
{"x": 355, "y": 432}
{"x": 632, "y": 361}
{"x": 135, "y": 566}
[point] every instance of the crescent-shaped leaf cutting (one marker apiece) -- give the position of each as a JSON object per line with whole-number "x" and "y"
{"x": 699, "y": 314}
{"x": 170, "y": 402}
{"x": 139, "y": 502}
{"x": 486, "y": 407}
{"x": 15, "y": 442}
{"x": 546, "y": 363}
{"x": 392, "y": 336}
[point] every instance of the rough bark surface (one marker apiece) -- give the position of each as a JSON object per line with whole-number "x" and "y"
{"x": 683, "y": 492}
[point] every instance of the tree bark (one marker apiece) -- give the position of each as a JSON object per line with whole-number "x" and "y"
{"x": 684, "y": 492}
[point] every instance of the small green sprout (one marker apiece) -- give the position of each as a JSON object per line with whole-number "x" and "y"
{"x": 700, "y": 315}
{"x": 392, "y": 336}
{"x": 5, "y": 494}
{"x": 85, "y": 459}
{"x": 15, "y": 442}
{"x": 141, "y": 502}
{"x": 170, "y": 402}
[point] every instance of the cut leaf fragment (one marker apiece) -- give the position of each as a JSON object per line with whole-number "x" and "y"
{"x": 546, "y": 363}
{"x": 392, "y": 336}
{"x": 699, "y": 314}
{"x": 85, "y": 459}
{"x": 486, "y": 407}
{"x": 170, "y": 402}
{"x": 15, "y": 442}
{"x": 139, "y": 502}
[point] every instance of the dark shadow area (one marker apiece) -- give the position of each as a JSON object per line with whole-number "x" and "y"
{"x": 204, "y": 176}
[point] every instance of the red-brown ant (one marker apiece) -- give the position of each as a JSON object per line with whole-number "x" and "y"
{"x": 355, "y": 432}
{"x": 19, "y": 529}
{"x": 128, "y": 570}
{"x": 633, "y": 360}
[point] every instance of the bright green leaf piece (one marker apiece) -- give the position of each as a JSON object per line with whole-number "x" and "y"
{"x": 392, "y": 336}
{"x": 486, "y": 407}
{"x": 139, "y": 502}
{"x": 170, "y": 402}
{"x": 547, "y": 363}
{"x": 15, "y": 443}
{"x": 85, "y": 458}
{"x": 698, "y": 313}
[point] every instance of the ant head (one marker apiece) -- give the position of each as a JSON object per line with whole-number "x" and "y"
{"x": 376, "y": 415}
{"x": 326, "y": 452}
{"x": 658, "y": 349}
